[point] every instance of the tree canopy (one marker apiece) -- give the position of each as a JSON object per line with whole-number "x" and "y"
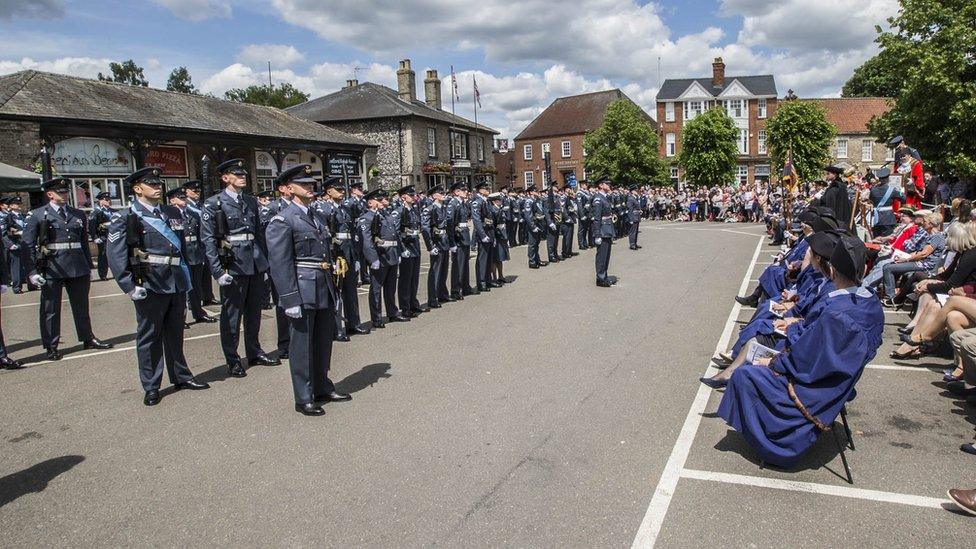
{"x": 180, "y": 81}
{"x": 625, "y": 147}
{"x": 709, "y": 152}
{"x": 803, "y": 127}
{"x": 879, "y": 76}
{"x": 126, "y": 72}
{"x": 281, "y": 96}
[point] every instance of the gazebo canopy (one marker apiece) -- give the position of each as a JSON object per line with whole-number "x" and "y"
{"x": 14, "y": 179}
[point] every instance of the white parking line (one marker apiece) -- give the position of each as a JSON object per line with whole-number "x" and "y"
{"x": 650, "y": 526}
{"x": 811, "y": 488}
{"x": 896, "y": 367}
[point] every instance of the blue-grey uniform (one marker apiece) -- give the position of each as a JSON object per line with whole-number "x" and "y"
{"x": 342, "y": 225}
{"x": 554, "y": 214}
{"x": 502, "y": 227}
{"x": 98, "y": 223}
{"x": 534, "y": 218}
{"x": 408, "y": 281}
{"x": 64, "y": 262}
{"x": 242, "y": 268}
{"x": 509, "y": 215}
{"x": 458, "y": 211}
{"x": 268, "y": 211}
{"x": 882, "y": 196}
{"x": 299, "y": 246}
{"x": 205, "y": 285}
{"x": 381, "y": 252}
{"x": 517, "y": 230}
{"x": 633, "y": 214}
{"x": 196, "y": 261}
{"x": 356, "y": 206}
{"x": 439, "y": 239}
{"x": 603, "y": 233}
{"x": 568, "y": 227}
{"x": 149, "y": 266}
{"x": 484, "y": 232}
{"x": 18, "y": 254}
{"x": 583, "y": 198}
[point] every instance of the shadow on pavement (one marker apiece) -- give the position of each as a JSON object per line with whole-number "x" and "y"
{"x": 820, "y": 456}
{"x": 35, "y": 478}
{"x": 365, "y": 377}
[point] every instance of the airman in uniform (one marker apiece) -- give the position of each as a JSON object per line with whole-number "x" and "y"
{"x": 408, "y": 281}
{"x": 193, "y": 254}
{"x": 18, "y": 254}
{"x": 381, "y": 252}
{"x": 603, "y": 231}
{"x": 98, "y": 222}
{"x": 439, "y": 239}
{"x": 483, "y": 220}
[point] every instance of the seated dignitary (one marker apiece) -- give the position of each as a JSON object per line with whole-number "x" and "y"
{"x": 145, "y": 253}
{"x": 781, "y": 404}
{"x": 300, "y": 252}
{"x": 57, "y": 236}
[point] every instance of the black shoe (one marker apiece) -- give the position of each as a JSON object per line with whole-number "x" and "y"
{"x": 95, "y": 343}
{"x": 399, "y": 318}
{"x": 483, "y": 289}
{"x": 449, "y": 299}
{"x": 310, "y": 409}
{"x": 192, "y": 385}
{"x": 638, "y": 247}
{"x": 612, "y": 279}
{"x": 10, "y": 364}
{"x": 378, "y": 324}
{"x": 359, "y": 330}
{"x": 472, "y": 292}
{"x": 714, "y": 383}
{"x": 333, "y": 397}
{"x": 211, "y": 302}
{"x": 905, "y": 330}
{"x": 283, "y": 354}
{"x": 205, "y": 319}
{"x": 18, "y": 290}
{"x": 633, "y": 247}
{"x": 434, "y": 305}
{"x": 263, "y": 360}
{"x": 747, "y": 301}
{"x": 534, "y": 265}
{"x": 151, "y": 398}
{"x": 554, "y": 260}
{"x": 54, "y": 354}
{"x": 543, "y": 263}
{"x": 420, "y": 310}
{"x": 235, "y": 369}
{"x": 574, "y": 254}
{"x": 603, "y": 283}
{"x": 341, "y": 337}
{"x": 496, "y": 284}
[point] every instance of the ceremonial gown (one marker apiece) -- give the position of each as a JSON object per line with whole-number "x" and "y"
{"x": 824, "y": 364}
{"x": 811, "y": 288}
{"x": 773, "y": 279}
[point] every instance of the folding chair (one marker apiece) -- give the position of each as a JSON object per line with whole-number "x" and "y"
{"x": 841, "y": 445}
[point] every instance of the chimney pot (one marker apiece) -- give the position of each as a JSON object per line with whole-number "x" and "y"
{"x": 406, "y": 82}
{"x": 718, "y": 73}
{"x": 432, "y": 89}
{"x": 352, "y": 83}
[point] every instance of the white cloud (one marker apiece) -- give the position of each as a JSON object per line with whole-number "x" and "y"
{"x": 35, "y": 9}
{"x": 76, "y": 66}
{"x": 197, "y": 10}
{"x": 280, "y": 55}
{"x": 797, "y": 25}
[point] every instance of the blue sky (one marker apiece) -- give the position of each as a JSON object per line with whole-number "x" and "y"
{"x": 524, "y": 54}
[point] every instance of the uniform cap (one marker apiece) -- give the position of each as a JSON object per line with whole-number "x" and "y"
{"x": 301, "y": 174}
{"x": 149, "y": 176}
{"x": 176, "y": 193}
{"x": 458, "y": 185}
{"x": 375, "y": 194}
{"x": 435, "y": 189}
{"x": 193, "y": 184}
{"x": 62, "y": 184}
{"x": 103, "y": 196}
{"x": 234, "y": 166}
{"x": 834, "y": 170}
{"x": 895, "y": 141}
{"x": 332, "y": 183}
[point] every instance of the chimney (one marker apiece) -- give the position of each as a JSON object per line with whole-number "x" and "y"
{"x": 406, "y": 82}
{"x": 718, "y": 73}
{"x": 432, "y": 89}
{"x": 352, "y": 83}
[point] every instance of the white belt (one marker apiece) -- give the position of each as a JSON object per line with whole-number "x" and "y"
{"x": 505, "y": 209}
{"x": 191, "y": 238}
{"x": 607, "y": 218}
{"x": 411, "y": 232}
{"x": 239, "y": 237}
{"x": 342, "y": 236}
{"x": 63, "y": 246}
{"x": 500, "y": 226}
{"x": 386, "y": 243}
{"x": 540, "y": 216}
{"x": 162, "y": 259}
{"x": 314, "y": 265}
{"x": 884, "y": 209}
{"x": 439, "y": 231}
{"x": 462, "y": 225}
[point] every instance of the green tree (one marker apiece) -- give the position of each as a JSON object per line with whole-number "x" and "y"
{"x": 709, "y": 152}
{"x": 879, "y": 76}
{"x": 180, "y": 81}
{"x": 625, "y": 147}
{"x": 803, "y": 127}
{"x": 935, "y": 43}
{"x": 281, "y": 96}
{"x": 126, "y": 72}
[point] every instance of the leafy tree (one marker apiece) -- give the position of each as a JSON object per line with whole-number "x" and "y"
{"x": 180, "y": 81}
{"x": 709, "y": 152}
{"x": 625, "y": 147}
{"x": 879, "y": 76}
{"x": 935, "y": 43}
{"x": 281, "y": 96}
{"x": 126, "y": 72}
{"x": 803, "y": 127}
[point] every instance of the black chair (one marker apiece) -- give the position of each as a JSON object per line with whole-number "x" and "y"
{"x": 841, "y": 445}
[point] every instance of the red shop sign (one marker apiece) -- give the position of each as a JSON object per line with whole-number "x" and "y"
{"x": 171, "y": 160}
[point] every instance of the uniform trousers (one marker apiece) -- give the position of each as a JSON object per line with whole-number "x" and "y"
{"x": 102, "y": 262}
{"x": 241, "y": 300}
{"x": 310, "y": 353}
{"x": 483, "y": 263}
{"x": 513, "y": 233}
{"x": 382, "y": 289}
{"x": 199, "y": 279}
{"x": 17, "y": 260}
{"x": 437, "y": 279}
{"x": 632, "y": 233}
{"x": 603, "y": 259}
{"x": 51, "y": 292}
{"x": 281, "y": 319}
{"x": 552, "y": 243}
{"x": 159, "y": 337}
{"x": 348, "y": 287}
{"x": 408, "y": 282}
{"x": 461, "y": 270}
{"x": 566, "y": 230}
{"x": 206, "y": 285}
{"x": 3, "y": 345}
{"x": 533, "y": 246}
{"x": 583, "y": 234}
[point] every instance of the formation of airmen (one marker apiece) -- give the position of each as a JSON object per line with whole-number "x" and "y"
{"x": 307, "y": 245}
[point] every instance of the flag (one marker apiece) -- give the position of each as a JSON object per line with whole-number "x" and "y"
{"x": 788, "y": 175}
{"x": 477, "y": 94}
{"x": 454, "y": 86}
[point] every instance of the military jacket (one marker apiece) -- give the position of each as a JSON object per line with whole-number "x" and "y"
{"x": 68, "y": 255}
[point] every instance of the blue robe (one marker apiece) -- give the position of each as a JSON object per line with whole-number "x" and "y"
{"x": 773, "y": 279}
{"x": 824, "y": 364}
{"x": 810, "y": 287}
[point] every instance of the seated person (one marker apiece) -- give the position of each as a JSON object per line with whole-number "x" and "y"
{"x": 781, "y": 404}
{"x": 901, "y": 244}
{"x": 925, "y": 260}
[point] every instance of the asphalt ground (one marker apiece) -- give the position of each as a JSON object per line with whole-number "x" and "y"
{"x": 546, "y": 413}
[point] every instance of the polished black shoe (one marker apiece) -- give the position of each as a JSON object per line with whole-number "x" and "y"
{"x": 310, "y": 409}
{"x": 483, "y": 289}
{"x": 54, "y": 354}
{"x": 263, "y": 360}
{"x": 409, "y": 314}
{"x": 359, "y": 330}
{"x": 235, "y": 369}
{"x": 747, "y": 301}
{"x": 714, "y": 383}
{"x": 10, "y": 364}
{"x": 420, "y": 310}
{"x": 205, "y": 319}
{"x": 151, "y": 398}
{"x": 612, "y": 279}
{"x": 283, "y": 354}
{"x": 211, "y": 302}
{"x": 192, "y": 385}
{"x": 434, "y": 305}
{"x": 533, "y": 265}
{"x": 379, "y": 324}
{"x": 472, "y": 292}
{"x": 450, "y": 299}
{"x": 574, "y": 254}
{"x": 603, "y": 283}
{"x": 95, "y": 343}
{"x": 18, "y": 290}
{"x": 496, "y": 284}
{"x": 634, "y": 248}
{"x": 334, "y": 397}
{"x": 543, "y": 263}
{"x": 399, "y": 318}
{"x": 341, "y": 337}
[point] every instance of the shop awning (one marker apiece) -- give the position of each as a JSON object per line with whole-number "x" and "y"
{"x": 14, "y": 179}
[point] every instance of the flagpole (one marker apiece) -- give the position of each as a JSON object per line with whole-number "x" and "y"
{"x": 474, "y": 97}
{"x": 453, "y": 90}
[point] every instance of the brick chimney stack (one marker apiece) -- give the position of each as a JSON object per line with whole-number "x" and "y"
{"x": 432, "y": 89}
{"x": 352, "y": 83}
{"x": 406, "y": 82}
{"x": 718, "y": 73}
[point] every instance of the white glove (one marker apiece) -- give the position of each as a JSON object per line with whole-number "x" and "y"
{"x": 293, "y": 312}
{"x": 453, "y": 249}
{"x": 99, "y": 241}
{"x": 486, "y": 239}
{"x": 3, "y": 288}
{"x": 225, "y": 280}
{"x": 552, "y": 226}
{"x": 375, "y": 265}
{"x": 405, "y": 254}
{"x": 598, "y": 241}
{"x": 37, "y": 279}
{"x": 15, "y": 247}
{"x": 434, "y": 251}
{"x": 357, "y": 266}
{"x": 138, "y": 293}
{"x": 535, "y": 229}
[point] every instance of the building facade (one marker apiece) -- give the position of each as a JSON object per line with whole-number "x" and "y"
{"x": 854, "y": 146}
{"x": 559, "y": 131}
{"x": 748, "y": 100}
{"x": 418, "y": 142}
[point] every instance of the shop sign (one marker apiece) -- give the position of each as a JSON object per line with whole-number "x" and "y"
{"x": 90, "y": 156}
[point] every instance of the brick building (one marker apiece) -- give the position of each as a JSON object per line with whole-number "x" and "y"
{"x": 854, "y": 145}
{"x": 749, "y": 100}
{"x": 559, "y": 130}
{"x": 419, "y": 143}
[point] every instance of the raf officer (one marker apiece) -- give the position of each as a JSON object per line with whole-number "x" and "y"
{"x": 439, "y": 239}
{"x": 458, "y": 213}
{"x": 236, "y": 254}
{"x": 18, "y": 254}
{"x": 534, "y": 215}
{"x": 57, "y": 237}
{"x": 299, "y": 245}
{"x": 342, "y": 226}
{"x": 145, "y": 252}
{"x": 583, "y": 207}
{"x": 98, "y": 222}
{"x": 381, "y": 252}
{"x": 192, "y": 189}
{"x": 194, "y": 255}
{"x": 484, "y": 230}
{"x": 570, "y": 217}
{"x": 603, "y": 231}
{"x": 633, "y": 213}
{"x": 408, "y": 282}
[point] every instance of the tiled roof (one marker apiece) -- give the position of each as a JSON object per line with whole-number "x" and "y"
{"x": 761, "y": 85}
{"x": 851, "y": 114}
{"x": 573, "y": 115}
